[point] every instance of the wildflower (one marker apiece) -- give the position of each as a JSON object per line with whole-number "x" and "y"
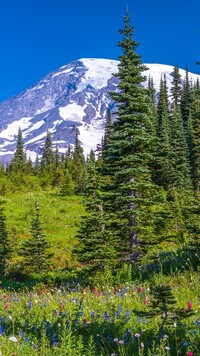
{"x": 140, "y": 290}
{"x": 7, "y": 305}
{"x": 13, "y": 338}
{"x": 116, "y": 339}
{"x": 165, "y": 337}
{"x": 167, "y": 348}
{"x": 144, "y": 301}
{"x": 98, "y": 294}
{"x": 142, "y": 345}
{"x": 189, "y": 305}
{"x": 121, "y": 342}
{"x": 186, "y": 343}
{"x": 1, "y": 330}
{"x": 84, "y": 321}
{"x": 10, "y": 317}
{"x": 190, "y": 353}
{"x": 137, "y": 335}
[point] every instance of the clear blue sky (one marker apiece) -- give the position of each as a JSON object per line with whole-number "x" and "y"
{"x": 38, "y": 36}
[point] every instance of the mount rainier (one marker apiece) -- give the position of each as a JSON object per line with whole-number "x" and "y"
{"x": 74, "y": 96}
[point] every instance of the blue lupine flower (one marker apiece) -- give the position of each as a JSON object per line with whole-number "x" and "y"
{"x": 1, "y": 330}
{"x": 186, "y": 343}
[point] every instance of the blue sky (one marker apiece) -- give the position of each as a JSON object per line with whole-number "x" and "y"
{"x": 39, "y": 36}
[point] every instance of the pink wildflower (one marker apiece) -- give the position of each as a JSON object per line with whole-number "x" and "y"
{"x": 7, "y": 306}
{"x": 98, "y": 294}
{"x": 95, "y": 290}
{"x": 190, "y": 353}
{"x": 189, "y": 305}
{"x": 140, "y": 290}
{"x": 145, "y": 301}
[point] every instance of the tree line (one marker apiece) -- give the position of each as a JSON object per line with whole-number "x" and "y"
{"x": 141, "y": 188}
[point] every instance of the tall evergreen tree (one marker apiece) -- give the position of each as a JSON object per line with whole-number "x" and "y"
{"x": 162, "y": 165}
{"x": 176, "y": 87}
{"x": 48, "y": 154}
{"x": 180, "y": 173}
{"x": 96, "y": 247}
{"x": 78, "y": 167}
{"x": 130, "y": 195}
{"x": 194, "y": 138}
{"x": 18, "y": 162}
{"x": 36, "y": 249}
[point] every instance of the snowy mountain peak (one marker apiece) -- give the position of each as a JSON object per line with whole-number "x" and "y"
{"x": 74, "y": 96}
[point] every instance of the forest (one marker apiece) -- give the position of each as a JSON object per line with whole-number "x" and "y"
{"x": 100, "y": 255}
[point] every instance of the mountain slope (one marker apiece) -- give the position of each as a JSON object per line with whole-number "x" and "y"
{"x": 75, "y": 95}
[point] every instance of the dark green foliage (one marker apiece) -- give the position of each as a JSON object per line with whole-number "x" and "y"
{"x": 180, "y": 171}
{"x": 129, "y": 192}
{"x": 162, "y": 166}
{"x": 176, "y": 87}
{"x": 78, "y": 167}
{"x": 48, "y": 154}
{"x": 67, "y": 187}
{"x": 194, "y": 138}
{"x": 36, "y": 249}
{"x": 5, "y": 245}
{"x": 186, "y": 100}
{"x": 96, "y": 248}
{"x": 18, "y": 162}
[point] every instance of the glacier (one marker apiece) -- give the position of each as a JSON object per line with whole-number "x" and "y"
{"x": 75, "y": 96}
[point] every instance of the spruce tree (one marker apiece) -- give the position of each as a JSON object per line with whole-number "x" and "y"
{"x": 78, "y": 166}
{"x": 194, "y": 138}
{"x": 48, "y": 154}
{"x": 130, "y": 193}
{"x": 176, "y": 87}
{"x": 18, "y": 162}
{"x": 162, "y": 165}
{"x": 96, "y": 246}
{"x": 36, "y": 249}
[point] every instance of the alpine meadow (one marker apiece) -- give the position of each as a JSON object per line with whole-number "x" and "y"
{"x": 100, "y": 255}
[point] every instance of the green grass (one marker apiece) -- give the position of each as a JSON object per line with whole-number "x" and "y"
{"x": 60, "y": 218}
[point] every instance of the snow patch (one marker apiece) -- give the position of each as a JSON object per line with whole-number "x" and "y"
{"x": 12, "y": 129}
{"x": 98, "y": 73}
{"x": 72, "y": 112}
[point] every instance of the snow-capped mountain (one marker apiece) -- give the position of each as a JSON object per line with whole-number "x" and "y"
{"x": 74, "y": 96}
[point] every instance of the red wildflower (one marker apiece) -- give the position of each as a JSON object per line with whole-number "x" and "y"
{"x": 95, "y": 290}
{"x": 98, "y": 294}
{"x": 190, "y": 353}
{"x": 140, "y": 290}
{"x": 145, "y": 301}
{"x": 115, "y": 290}
{"x": 7, "y": 306}
{"x": 189, "y": 305}
{"x": 4, "y": 296}
{"x": 84, "y": 321}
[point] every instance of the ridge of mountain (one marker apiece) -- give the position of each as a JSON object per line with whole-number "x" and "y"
{"x": 74, "y": 96}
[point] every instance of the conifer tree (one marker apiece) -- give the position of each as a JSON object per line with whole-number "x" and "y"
{"x": 162, "y": 165}
{"x": 194, "y": 138}
{"x": 48, "y": 155}
{"x": 67, "y": 187}
{"x": 36, "y": 249}
{"x": 186, "y": 99}
{"x": 130, "y": 194}
{"x": 18, "y": 162}
{"x": 5, "y": 246}
{"x": 78, "y": 167}
{"x": 180, "y": 173}
{"x": 96, "y": 247}
{"x": 176, "y": 87}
